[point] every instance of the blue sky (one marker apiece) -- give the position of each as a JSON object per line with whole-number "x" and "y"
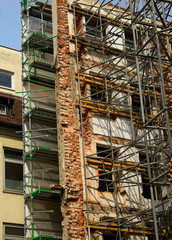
{"x": 10, "y": 28}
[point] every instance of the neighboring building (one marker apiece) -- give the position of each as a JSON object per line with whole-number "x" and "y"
{"x": 11, "y": 146}
{"x": 97, "y": 120}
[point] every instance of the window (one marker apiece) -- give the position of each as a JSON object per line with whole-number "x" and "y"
{"x": 3, "y": 109}
{"x": 6, "y": 80}
{"x": 98, "y": 94}
{"x": 93, "y": 28}
{"x": 13, "y": 170}
{"x": 13, "y": 232}
{"x": 129, "y": 42}
{"x": 105, "y": 178}
{"x": 136, "y": 103}
{"x": 145, "y": 182}
{"x": 6, "y": 106}
{"x": 105, "y": 182}
{"x": 104, "y": 152}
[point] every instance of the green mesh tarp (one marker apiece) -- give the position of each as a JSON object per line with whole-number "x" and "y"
{"x": 25, "y": 3}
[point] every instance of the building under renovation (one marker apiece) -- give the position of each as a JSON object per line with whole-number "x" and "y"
{"x": 97, "y": 84}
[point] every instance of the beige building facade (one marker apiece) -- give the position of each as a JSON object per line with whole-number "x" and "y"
{"x": 11, "y": 165}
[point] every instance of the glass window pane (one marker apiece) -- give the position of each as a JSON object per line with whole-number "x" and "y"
{"x": 5, "y": 80}
{"x": 15, "y": 231}
{"x": 13, "y": 154}
{"x": 13, "y": 176}
{"x": 129, "y": 42}
{"x": 97, "y": 94}
{"x": 93, "y": 28}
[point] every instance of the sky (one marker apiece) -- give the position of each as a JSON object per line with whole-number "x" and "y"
{"x": 10, "y": 34}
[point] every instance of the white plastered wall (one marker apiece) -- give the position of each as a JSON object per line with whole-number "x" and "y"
{"x": 134, "y": 237}
{"x": 121, "y": 127}
{"x": 120, "y": 99}
{"x": 114, "y": 37}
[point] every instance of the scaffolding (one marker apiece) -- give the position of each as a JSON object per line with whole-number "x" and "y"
{"x": 42, "y": 192}
{"x": 123, "y": 70}
{"x": 123, "y": 61}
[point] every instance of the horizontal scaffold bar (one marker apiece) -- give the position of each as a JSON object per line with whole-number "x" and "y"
{"x": 45, "y": 237}
{"x": 113, "y": 85}
{"x": 114, "y": 227}
{"x": 101, "y": 108}
{"x": 43, "y": 90}
{"x": 117, "y": 164}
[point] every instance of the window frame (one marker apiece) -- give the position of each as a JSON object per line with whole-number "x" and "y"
{"x": 10, "y": 160}
{"x": 12, "y": 80}
{"x": 103, "y": 183}
{"x": 135, "y": 100}
{"x": 146, "y": 187}
{"x": 129, "y": 40}
{"x": 98, "y": 94}
{"x": 12, "y": 237}
{"x": 136, "y": 105}
{"x": 89, "y": 29}
{"x": 108, "y": 175}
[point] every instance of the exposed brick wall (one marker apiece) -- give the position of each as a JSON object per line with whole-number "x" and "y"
{"x": 68, "y": 136}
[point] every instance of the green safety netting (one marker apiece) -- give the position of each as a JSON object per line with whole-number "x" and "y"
{"x": 25, "y": 2}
